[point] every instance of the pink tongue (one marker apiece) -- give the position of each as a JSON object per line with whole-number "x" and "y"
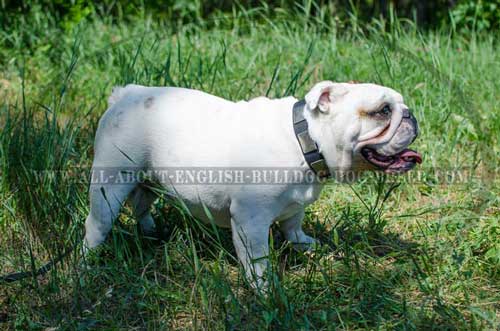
{"x": 409, "y": 155}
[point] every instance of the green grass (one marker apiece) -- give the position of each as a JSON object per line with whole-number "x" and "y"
{"x": 427, "y": 258}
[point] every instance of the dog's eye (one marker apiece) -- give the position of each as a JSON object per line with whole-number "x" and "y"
{"x": 386, "y": 111}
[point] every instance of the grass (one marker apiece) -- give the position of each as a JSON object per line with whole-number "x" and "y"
{"x": 426, "y": 258}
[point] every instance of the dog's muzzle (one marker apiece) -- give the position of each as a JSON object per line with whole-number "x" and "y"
{"x": 394, "y": 156}
{"x": 408, "y": 116}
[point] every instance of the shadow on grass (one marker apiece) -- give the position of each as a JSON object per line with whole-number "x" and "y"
{"x": 357, "y": 278}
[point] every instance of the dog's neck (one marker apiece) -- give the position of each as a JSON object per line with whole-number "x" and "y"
{"x": 335, "y": 147}
{"x": 308, "y": 146}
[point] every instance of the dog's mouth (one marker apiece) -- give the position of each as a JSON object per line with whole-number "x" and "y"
{"x": 397, "y": 163}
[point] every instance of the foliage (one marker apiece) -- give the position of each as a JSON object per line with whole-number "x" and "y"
{"x": 477, "y": 15}
{"x": 480, "y": 15}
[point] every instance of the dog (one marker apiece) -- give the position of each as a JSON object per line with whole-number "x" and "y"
{"x": 338, "y": 130}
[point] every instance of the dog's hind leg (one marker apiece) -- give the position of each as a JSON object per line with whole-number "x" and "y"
{"x": 141, "y": 200}
{"x": 106, "y": 201}
{"x": 119, "y": 151}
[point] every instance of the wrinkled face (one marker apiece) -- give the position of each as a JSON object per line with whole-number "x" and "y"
{"x": 362, "y": 127}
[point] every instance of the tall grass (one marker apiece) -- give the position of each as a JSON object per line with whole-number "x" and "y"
{"x": 422, "y": 255}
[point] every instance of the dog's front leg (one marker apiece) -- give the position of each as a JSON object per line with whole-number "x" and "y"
{"x": 292, "y": 230}
{"x": 251, "y": 241}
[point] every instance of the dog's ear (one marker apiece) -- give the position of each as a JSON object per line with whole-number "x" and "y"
{"x": 323, "y": 94}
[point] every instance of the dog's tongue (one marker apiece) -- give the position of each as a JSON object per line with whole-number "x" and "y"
{"x": 397, "y": 163}
{"x": 409, "y": 155}
{"x": 406, "y": 158}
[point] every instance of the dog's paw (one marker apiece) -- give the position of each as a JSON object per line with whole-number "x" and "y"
{"x": 307, "y": 244}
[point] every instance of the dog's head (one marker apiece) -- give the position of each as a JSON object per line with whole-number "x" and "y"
{"x": 361, "y": 127}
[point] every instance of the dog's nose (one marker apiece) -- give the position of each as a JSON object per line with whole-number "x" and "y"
{"x": 407, "y": 114}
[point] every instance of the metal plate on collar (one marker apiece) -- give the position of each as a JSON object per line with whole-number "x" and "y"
{"x": 298, "y": 115}
{"x": 306, "y": 142}
{"x": 320, "y": 168}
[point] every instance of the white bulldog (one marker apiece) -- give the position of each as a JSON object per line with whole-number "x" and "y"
{"x": 340, "y": 129}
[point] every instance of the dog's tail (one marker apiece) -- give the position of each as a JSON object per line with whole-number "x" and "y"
{"x": 116, "y": 94}
{"x": 119, "y": 92}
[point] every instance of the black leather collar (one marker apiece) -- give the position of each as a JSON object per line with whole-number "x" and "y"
{"x": 310, "y": 150}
